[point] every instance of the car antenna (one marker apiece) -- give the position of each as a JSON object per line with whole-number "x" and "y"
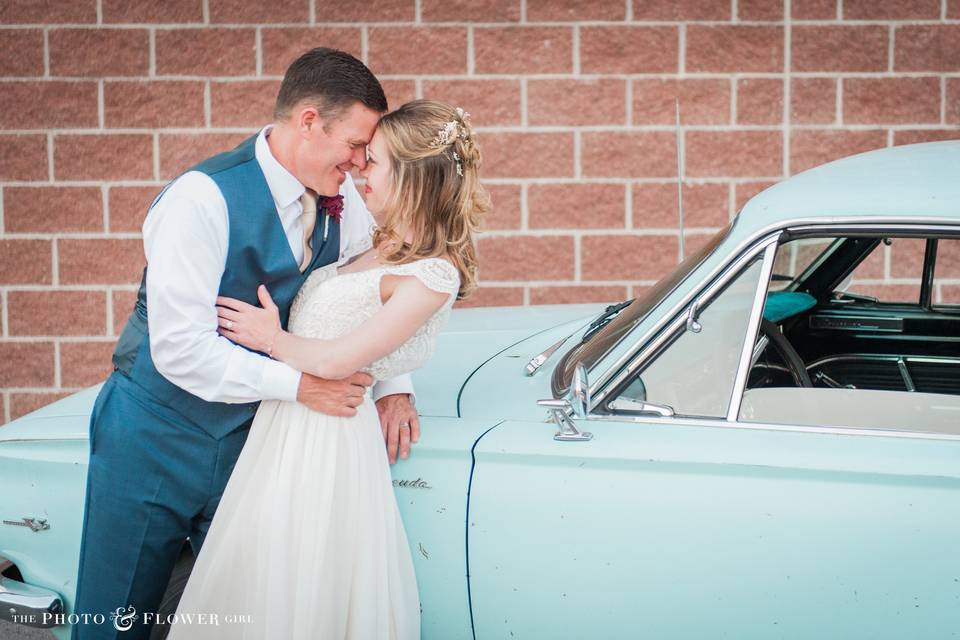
{"x": 679, "y": 182}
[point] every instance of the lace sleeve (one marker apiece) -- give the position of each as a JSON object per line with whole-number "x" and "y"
{"x": 437, "y": 274}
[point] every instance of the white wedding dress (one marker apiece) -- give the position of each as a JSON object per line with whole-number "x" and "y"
{"x": 307, "y": 541}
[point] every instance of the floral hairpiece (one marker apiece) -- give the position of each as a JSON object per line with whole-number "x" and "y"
{"x": 452, "y": 131}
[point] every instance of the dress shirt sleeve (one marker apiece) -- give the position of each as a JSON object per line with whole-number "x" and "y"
{"x": 356, "y": 229}
{"x": 185, "y": 239}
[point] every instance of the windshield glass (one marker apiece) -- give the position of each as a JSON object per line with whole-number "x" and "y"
{"x": 590, "y": 352}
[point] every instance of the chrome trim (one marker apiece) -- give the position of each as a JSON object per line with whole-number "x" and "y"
{"x": 628, "y": 404}
{"x": 842, "y": 357}
{"x": 27, "y": 605}
{"x": 753, "y": 328}
{"x": 35, "y": 524}
{"x": 632, "y": 360}
{"x": 537, "y": 361}
{"x": 876, "y": 224}
{"x": 762, "y": 343}
{"x": 907, "y": 380}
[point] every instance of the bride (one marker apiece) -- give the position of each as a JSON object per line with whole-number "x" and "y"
{"x": 307, "y": 541}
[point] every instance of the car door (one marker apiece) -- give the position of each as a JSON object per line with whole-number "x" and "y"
{"x": 694, "y": 524}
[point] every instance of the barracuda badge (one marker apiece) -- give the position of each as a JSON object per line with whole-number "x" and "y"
{"x": 35, "y": 524}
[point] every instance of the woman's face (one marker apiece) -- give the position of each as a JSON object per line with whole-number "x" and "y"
{"x": 379, "y": 176}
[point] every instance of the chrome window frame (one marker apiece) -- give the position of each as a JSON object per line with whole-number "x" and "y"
{"x": 654, "y": 338}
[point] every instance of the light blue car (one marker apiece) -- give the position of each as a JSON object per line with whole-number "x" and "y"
{"x": 764, "y": 445}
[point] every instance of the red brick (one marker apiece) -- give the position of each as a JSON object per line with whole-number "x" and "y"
{"x": 949, "y": 294}
{"x": 953, "y": 100}
{"x": 743, "y": 191}
{"x": 282, "y": 46}
{"x": 471, "y": 11}
{"x": 83, "y": 364}
{"x": 813, "y": 9}
{"x": 527, "y": 155}
{"x": 245, "y": 12}
{"x": 576, "y": 102}
{"x": 28, "y": 45}
{"x": 123, "y": 302}
{"x": 693, "y": 242}
{"x": 948, "y": 259}
{"x": 148, "y": 104}
{"x": 166, "y": 12}
{"x": 26, "y": 364}
{"x": 101, "y": 261}
{"x": 48, "y": 12}
{"x": 23, "y": 403}
{"x": 128, "y": 206}
{"x": 621, "y": 257}
{"x": 629, "y": 154}
{"x": 246, "y": 103}
{"x": 418, "y": 50}
{"x": 898, "y": 10}
{"x": 813, "y": 100}
{"x": 734, "y": 153}
{"x": 840, "y": 48}
{"x": 505, "y": 213}
{"x": 704, "y": 205}
{"x": 872, "y": 267}
{"x": 180, "y": 151}
{"x": 490, "y": 102}
{"x": 573, "y": 10}
{"x": 889, "y": 292}
{"x": 912, "y": 136}
{"x": 99, "y": 52}
{"x": 399, "y": 92}
{"x": 48, "y": 105}
{"x": 371, "y": 11}
{"x": 23, "y": 157}
{"x": 734, "y": 48}
{"x": 927, "y": 48}
{"x": 760, "y": 10}
{"x": 205, "y": 52}
{"x": 629, "y": 49}
{"x": 953, "y": 9}
{"x": 681, "y": 10}
{"x": 760, "y": 101}
{"x": 523, "y": 49}
{"x": 809, "y": 148}
{"x": 704, "y": 101}
{"x": 906, "y": 257}
{"x": 526, "y": 258}
{"x": 26, "y": 262}
{"x": 52, "y": 209}
{"x": 891, "y": 100}
{"x": 103, "y": 157}
{"x": 493, "y": 297}
{"x": 577, "y": 294}
{"x": 576, "y": 206}
{"x": 57, "y": 313}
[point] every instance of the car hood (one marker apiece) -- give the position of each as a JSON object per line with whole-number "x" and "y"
{"x": 474, "y": 344}
{"x": 478, "y": 367}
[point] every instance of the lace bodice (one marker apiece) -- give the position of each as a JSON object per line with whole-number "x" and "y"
{"x": 330, "y": 305}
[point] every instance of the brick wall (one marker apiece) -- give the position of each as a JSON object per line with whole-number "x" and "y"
{"x": 102, "y": 101}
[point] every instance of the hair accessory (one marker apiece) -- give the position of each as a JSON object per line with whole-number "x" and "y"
{"x": 453, "y": 130}
{"x": 459, "y": 164}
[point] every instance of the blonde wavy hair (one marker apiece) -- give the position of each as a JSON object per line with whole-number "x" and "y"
{"x": 437, "y": 200}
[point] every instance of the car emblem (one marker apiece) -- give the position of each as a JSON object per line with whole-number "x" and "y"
{"x": 35, "y": 524}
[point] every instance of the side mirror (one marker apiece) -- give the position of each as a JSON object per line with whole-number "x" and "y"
{"x": 579, "y": 394}
{"x": 577, "y": 401}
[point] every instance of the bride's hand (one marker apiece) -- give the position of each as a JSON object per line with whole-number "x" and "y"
{"x": 247, "y": 325}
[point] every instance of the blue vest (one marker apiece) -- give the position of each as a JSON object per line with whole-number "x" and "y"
{"x": 258, "y": 253}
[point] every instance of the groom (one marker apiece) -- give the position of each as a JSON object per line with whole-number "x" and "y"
{"x": 171, "y": 420}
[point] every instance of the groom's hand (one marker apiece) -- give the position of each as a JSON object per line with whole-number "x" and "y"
{"x": 333, "y": 397}
{"x": 399, "y": 423}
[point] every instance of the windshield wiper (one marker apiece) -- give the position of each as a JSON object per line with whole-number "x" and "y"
{"x": 538, "y": 361}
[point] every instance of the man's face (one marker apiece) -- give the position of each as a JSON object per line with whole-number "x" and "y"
{"x": 328, "y": 155}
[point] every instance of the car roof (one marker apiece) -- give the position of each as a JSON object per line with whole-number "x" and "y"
{"x": 917, "y": 181}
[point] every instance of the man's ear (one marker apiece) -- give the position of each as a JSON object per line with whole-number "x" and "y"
{"x": 308, "y": 118}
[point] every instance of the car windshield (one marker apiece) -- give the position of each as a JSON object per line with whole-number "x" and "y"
{"x": 596, "y": 344}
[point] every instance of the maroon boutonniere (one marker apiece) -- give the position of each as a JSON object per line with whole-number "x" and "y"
{"x": 333, "y": 205}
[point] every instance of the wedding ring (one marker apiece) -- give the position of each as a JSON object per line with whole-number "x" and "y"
{"x": 404, "y": 426}
{"x": 229, "y": 325}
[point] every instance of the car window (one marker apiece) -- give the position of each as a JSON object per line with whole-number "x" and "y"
{"x": 946, "y": 273}
{"x": 891, "y": 273}
{"x": 694, "y": 374}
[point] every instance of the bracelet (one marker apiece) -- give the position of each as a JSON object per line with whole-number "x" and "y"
{"x": 273, "y": 341}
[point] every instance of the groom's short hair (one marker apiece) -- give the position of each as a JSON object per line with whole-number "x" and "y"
{"x": 332, "y": 80}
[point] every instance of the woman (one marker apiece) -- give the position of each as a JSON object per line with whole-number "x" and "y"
{"x": 307, "y": 541}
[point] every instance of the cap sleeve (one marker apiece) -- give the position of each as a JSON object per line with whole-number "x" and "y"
{"x": 437, "y": 274}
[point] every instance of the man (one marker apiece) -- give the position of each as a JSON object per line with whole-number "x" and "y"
{"x": 171, "y": 420}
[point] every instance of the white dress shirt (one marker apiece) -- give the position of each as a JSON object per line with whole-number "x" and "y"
{"x": 185, "y": 238}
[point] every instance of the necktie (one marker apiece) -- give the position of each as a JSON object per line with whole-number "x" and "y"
{"x": 309, "y": 202}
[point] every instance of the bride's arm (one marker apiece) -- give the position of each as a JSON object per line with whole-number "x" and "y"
{"x": 410, "y": 306}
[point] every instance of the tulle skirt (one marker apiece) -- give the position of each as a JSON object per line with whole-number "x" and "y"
{"x": 307, "y": 541}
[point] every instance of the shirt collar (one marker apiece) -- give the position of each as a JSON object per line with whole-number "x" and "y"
{"x": 284, "y": 188}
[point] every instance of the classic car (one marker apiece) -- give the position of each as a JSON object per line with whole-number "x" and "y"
{"x": 764, "y": 444}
